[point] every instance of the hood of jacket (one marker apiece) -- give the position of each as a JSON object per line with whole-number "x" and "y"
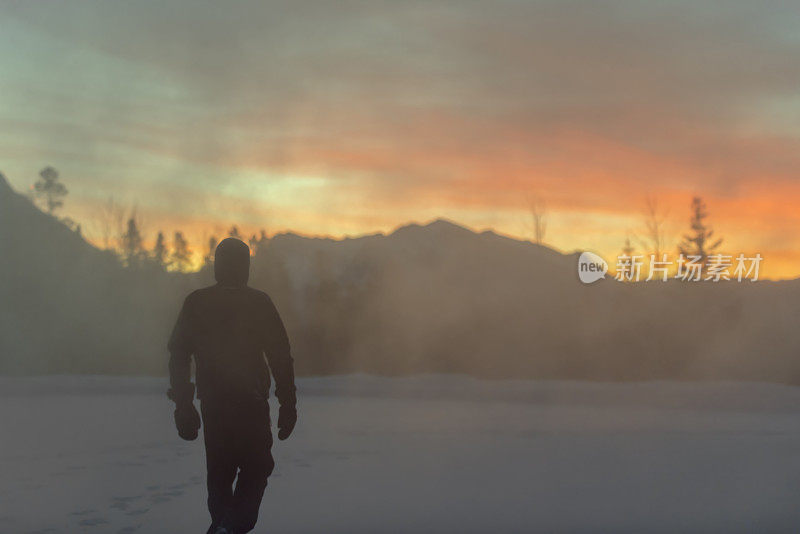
{"x": 232, "y": 262}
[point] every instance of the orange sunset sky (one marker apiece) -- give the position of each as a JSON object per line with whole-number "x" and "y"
{"x": 344, "y": 118}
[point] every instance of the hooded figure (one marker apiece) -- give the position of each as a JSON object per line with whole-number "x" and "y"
{"x": 232, "y": 263}
{"x": 229, "y": 328}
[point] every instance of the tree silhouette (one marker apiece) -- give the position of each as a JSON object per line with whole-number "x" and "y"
{"x": 160, "y": 251}
{"x": 628, "y": 267}
{"x": 132, "y": 249}
{"x": 212, "y": 247}
{"x": 257, "y": 240}
{"x": 234, "y": 232}
{"x": 49, "y": 189}
{"x": 654, "y": 221}
{"x": 627, "y": 249}
{"x": 538, "y": 210}
{"x": 110, "y": 223}
{"x": 699, "y": 241}
{"x": 181, "y": 254}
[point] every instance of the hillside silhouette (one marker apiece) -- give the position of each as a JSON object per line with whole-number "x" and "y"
{"x": 425, "y": 298}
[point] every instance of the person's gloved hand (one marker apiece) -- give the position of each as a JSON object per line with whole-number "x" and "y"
{"x": 187, "y": 421}
{"x": 287, "y": 418}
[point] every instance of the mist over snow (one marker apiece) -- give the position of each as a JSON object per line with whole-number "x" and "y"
{"x": 433, "y": 297}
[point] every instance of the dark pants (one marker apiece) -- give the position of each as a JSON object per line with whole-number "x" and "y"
{"x": 237, "y": 438}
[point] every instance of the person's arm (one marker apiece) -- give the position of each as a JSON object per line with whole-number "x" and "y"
{"x": 180, "y": 347}
{"x": 180, "y": 360}
{"x": 281, "y": 364}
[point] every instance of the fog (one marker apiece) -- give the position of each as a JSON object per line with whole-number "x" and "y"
{"x": 449, "y": 380}
{"x": 470, "y": 427}
{"x": 426, "y": 298}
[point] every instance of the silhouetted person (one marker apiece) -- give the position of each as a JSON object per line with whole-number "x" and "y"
{"x": 229, "y": 328}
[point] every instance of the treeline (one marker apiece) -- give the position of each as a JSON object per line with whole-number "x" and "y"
{"x": 175, "y": 255}
{"x": 120, "y": 231}
{"x": 68, "y": 306}
{"x": 434, "y": 298}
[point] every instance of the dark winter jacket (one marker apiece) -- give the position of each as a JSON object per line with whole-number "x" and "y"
{"x": 229, "y": 328}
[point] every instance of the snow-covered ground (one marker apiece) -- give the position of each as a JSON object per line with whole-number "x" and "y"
{"x": 427, "y": 454}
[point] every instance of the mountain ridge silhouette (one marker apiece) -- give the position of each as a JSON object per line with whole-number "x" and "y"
{"x": 425, "y": 297}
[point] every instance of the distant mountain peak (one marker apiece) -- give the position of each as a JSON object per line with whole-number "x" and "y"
{"x": 446, "y": 224}
{"x": 439, "y": 226}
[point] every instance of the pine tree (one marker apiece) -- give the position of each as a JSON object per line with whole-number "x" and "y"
{"x": 628, "y": 250}
{"x": 181, "y": 254}
{"x": 257, "y": 241}
{"x": 212, "y": 247}
{"x": 49, "y": 189}
{"x": 628, "y": 266}
{"x": 699, "y": 241}
{"x": 160, "y": 251}
{"x": 132, "y": 250}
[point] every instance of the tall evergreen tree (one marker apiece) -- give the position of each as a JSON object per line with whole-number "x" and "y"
{"x": 627, "y": 249}
{"x": 181, "y": 254}
{"x": 50, "y": 189}
{"x": 212, "y": 247}
{"x": 160, "y": 251}
{"x": 132, "y": 249}
{"x": 700, "y": 241}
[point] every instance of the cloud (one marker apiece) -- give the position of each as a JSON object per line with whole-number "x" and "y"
{"x": 413, "y": 107}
